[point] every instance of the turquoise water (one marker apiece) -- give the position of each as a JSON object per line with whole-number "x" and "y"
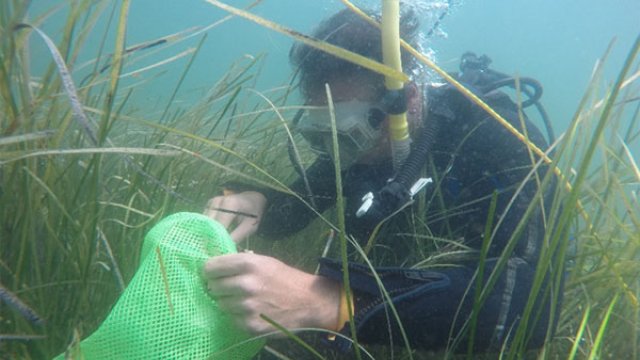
{"x": 556, "y": 42}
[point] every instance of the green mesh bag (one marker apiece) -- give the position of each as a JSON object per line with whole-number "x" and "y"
{"x": 165, "y": 312}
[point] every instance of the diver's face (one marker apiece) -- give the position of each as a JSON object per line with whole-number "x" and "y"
{"x": 357, "y": 89}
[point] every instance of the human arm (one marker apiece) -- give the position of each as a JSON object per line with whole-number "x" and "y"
{"x": 247, "y": 286}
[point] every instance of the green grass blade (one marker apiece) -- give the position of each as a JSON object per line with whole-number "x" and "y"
{"x": 595, "y": 349}
{"x": 116, "y": 70}
{"x": 342, "y": 232}
{"x": 477, "y": 304}
{"x": 67, "y": 82}
{"x": 321, "y": 45}
{"x": 292, "y": 336}
{"x": 579, "y": 334}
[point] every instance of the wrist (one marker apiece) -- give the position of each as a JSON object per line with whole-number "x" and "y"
{"x": 327, "y": 298}
{"x": 345, "y": 309}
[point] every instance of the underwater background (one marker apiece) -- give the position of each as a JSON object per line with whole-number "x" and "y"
{"x": 188, "y": 115}
{"x": 556, "y": 42}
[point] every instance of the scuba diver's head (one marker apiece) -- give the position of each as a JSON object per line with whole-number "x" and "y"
{"x": 357, "y": 93}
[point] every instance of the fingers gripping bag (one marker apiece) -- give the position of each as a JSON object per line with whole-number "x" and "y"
{"x": 165, "y": 311}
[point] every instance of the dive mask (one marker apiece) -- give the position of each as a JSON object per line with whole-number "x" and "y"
{"x": 358, "y": 124}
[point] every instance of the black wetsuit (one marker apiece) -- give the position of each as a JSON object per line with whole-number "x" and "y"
{"x": 473, "y": 157}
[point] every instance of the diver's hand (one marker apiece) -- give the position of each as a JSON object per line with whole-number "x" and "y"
{"x": 243, "y": 209}
{"x": 247, "y": 285}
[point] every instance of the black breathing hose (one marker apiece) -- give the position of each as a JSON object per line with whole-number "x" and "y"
{"x": 526, "y": 86}
{"x": 410, "y": 170}
{"x": 397, "y": 192}
{"x": 475, "y": 70}
{"x": 525, "y": 83}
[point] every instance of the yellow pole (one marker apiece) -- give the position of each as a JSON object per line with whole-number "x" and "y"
{"x": 398, "y": 126}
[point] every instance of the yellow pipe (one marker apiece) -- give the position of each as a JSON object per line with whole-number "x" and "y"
{"x": 398, "y": 126}
{"x": 391, "y": 40}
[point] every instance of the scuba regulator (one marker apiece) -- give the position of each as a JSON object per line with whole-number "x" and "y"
{"x": 400, "y": 190}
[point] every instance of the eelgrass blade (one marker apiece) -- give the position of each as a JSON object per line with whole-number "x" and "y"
{"x": 182, "y": 77}
{"x": 386, "y": 296}
{"x": 597, "y": 343}
{"x": 296, "y": 153}
{"x": 342, "y": 232}
{"x": 587, "y": 158}
{"x": 558, "y": 238}
{"x": 54, "y": 198}
{"x": 103, "y": 41}
{"x": 227, "y": 106}
{"x": 23, "y": 138}
{"x": 165, "y": 280}
{"x": 276, "y": 353}
{"x": 484, "y": 250}
{"x": 175, "y": 38}
{"x": 67, "y": 82}
{"x": 146, "y": 45}
{"x": 602, "y": 263}
{"x": 116, "y": 70}
{"x": 139, "y": 71}
{"x": 10, "y": 299}
{"x": 220, "y": 354}
{"x": 16, "y": 49}
{"x": 315, "y": 43}
{"x": 632, "y": 161}
{"x": 114, "y": 264}
{"x": 12, "y": 113}
{"x": 110, "y": 150}
{"x": 292, "y": 336}
{"x": 163, "y": 62}
{"x": 579, "y": 334}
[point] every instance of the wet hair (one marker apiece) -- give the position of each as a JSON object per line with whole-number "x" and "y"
{"x": 350, "y": 31}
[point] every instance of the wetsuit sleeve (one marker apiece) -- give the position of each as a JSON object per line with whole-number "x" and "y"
{"x": 434, "y": 306}
{"x": 286, "y": 214}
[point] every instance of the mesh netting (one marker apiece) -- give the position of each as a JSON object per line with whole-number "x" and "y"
{"x": 165, "y": 312}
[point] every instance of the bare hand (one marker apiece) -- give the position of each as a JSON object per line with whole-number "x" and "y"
{"x": 243, "y": 209}
{"x": 247, "y": 285}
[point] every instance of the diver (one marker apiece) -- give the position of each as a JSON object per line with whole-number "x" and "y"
{"x": 473, "y": 162}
